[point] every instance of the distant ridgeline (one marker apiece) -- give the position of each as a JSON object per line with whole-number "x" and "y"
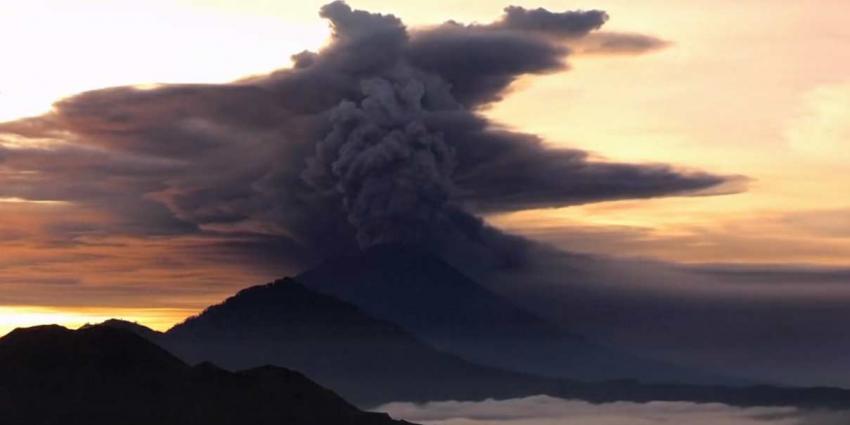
{"x": 367, "y": 327}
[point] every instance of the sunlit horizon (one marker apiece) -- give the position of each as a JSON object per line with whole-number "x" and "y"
{"x": 12, "y": 317}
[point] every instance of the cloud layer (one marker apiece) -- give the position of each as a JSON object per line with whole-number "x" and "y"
{"x": 543, "y": 410}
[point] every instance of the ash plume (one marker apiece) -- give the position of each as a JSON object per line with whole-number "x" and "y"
{"x": 375, "y": 138}
{"x": 393, "y": 173}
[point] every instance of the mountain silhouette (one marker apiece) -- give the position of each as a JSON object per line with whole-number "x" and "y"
{"x": 112, "y": 374}
{"x": 105, "y": 375}
{"x": 479, "y": 383}
{"x": 371, "y": 362}
{"x": 368, "y": 361}
{"x": 428, "y": 297}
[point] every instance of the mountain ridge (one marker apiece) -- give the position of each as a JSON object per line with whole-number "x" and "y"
{"x": 634, "y": 391}
{"x": 410, "y": 379}
{"x": 105, "y": 375}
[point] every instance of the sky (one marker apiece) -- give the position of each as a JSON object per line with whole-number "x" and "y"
{"x": 756, "y": 91}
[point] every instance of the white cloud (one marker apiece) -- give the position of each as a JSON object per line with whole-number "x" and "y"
{"x": 544, "y": 410}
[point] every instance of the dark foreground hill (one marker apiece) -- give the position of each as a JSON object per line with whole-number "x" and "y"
{"x": 440, "y": 305}
{"x": 103, "y": 375}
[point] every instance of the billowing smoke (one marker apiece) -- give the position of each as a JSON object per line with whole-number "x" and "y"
{"x": 393, "y": 173}
{"x": 376, "y": 138}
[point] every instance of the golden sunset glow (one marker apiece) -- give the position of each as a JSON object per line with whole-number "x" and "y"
{"x": 738, "y": 92}
{"x": 12, "y": 317}
{"x": 763, "y": 95}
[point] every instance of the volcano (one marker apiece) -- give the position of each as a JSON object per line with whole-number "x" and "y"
{"x": 398, "y": 324}
{"x": 369, "y": 361}
{"x": 448, "y": 310}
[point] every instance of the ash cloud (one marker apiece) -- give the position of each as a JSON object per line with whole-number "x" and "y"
{"x": 393, "y": 173}
{"x": 375, "y": 138}
{"x": 565, "y": 24}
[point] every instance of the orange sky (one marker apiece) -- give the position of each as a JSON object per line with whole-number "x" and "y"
{"x": 759, "y": 88}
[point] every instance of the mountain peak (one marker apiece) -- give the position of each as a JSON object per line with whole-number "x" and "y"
{"x": 40, "y": 331}
{"x": 134, "y": 327}
{"x": 368, "y": 360}
{"x": 423, "y": 293}
{"x": 283, "y": 306}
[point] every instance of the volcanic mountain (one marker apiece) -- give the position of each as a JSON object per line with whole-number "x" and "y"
{"x": 369, "y": 361}
{"x": 104, "y": 375}
{"x": 448, "y": 310}
{"x": 397, "y": 324}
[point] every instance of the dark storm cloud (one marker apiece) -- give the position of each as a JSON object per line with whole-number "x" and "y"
{"x": 517, "y": 171}
{"x": 480, "y": 61}
{"x": 479, "y": 64}
{"x": 373, "y": 139}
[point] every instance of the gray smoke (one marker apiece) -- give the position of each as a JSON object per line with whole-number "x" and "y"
{"x": 566, "y": 24}
{"x": 393, "y": 173}
{"x": 375, "y": 138}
